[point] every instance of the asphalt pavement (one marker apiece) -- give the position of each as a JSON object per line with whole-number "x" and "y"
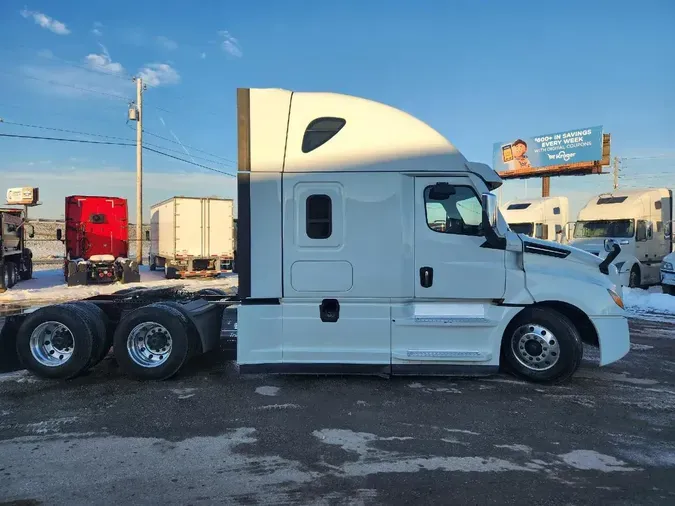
{"x": 211, "y": 436}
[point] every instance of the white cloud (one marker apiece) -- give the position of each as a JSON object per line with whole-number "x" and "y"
{"x": 157, "y": 74}
{"x": 230, "y": 45}
{"x": 166, "y": 42}
{"x": 103, "y": 63}
{"x": 73, "y": 81}
{"x": 46, "y": 22}
{"x": 97, "y": 29}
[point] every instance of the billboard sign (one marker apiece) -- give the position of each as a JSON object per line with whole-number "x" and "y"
{"x": 26, "y": 196}
{"x": 528, "y": 156}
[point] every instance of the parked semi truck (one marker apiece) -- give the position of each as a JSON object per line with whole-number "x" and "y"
{"x": 16, "y": 260}
{"x": 543, "y": 218}
{"x": 97, "y": 241}
{"x": 192, "y": 236}
{"x": 640, "y": 221}
{"x": 325, "y": 288}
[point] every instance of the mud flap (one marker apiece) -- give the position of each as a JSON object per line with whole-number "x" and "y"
{"x": 130, "y": 272}
{"x": 77, "y": 274}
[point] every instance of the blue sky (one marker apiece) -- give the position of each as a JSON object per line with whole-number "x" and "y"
{"x": 477, "y": 71}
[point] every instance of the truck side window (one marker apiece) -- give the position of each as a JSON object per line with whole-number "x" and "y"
{"x": 319, "y": 216}
{"x": 320, "y": 131}
{"x": 460, "y": 213}
{"x": 556, "y": 210}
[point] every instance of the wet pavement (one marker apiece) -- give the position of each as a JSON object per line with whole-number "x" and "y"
{"x": 211, "y": 436}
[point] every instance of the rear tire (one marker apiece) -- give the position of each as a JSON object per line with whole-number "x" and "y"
{"x": 634, "y": 277}
{"x": 193, "y": 335}
{"x": 41, "y": 353}
{"x": 103, "y": 338}
{"x": 152, "y": 342}
{"x": 668, "y": 289}
{"x": 542, "y": 345}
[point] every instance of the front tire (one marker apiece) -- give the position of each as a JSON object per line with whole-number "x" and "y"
{"x": 634, "y": 277}
{"x": 10, "y": 274}
{"x": 152, "y": 342}
{"x": 668, "y": 289}
{"x": 27, "y": 273}
{"x": 542, "y": 345}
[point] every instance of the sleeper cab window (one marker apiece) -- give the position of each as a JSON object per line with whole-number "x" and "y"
{"x": 453, "y": 210}
{"x": 319, "y": 216}
{"x": 320, "y": 131}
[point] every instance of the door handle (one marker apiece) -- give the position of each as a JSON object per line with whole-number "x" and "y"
{"x": 426, "y": 276}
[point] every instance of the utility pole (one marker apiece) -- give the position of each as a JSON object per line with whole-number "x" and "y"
{"x": 139, "y": 169}
{"x": 616, "y": 172}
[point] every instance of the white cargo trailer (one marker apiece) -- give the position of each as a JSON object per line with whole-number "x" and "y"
{"x": 192, "y": 236}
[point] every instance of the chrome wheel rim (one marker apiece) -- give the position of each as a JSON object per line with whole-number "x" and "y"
{"x": 149, "y": 344}
{"x": 6, "y": 277}
{"x": 535, "y": 347}
{"x": 52, "y": 344}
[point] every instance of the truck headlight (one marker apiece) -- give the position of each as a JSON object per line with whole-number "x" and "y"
{"x": 667, "y": 266}
{"x": 616, "y": 297}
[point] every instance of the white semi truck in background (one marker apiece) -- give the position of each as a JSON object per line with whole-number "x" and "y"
{"x": 542, "y": 218}
{"x": 639, "y": 220}
{"x": 325, "y": 288}
{"x": 192, "y": 236}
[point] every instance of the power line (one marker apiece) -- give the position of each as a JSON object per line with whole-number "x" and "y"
{"x": 83, "y": 141}
{"x": 189, "y": 147}
{"x": 181, "y": 152}
{"x": 56, "y": 83}
{"x": 188, "y": 161}
{"x": 64, "y": 130}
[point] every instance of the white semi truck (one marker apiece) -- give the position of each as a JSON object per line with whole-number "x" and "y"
{"x": 543, "y": 218}
{"x": 639, "y": 220}
{"x": 192, "y": 236}
{"x": 343, "y": 267}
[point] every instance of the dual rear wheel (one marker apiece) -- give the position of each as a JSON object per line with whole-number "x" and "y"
{"x": 66, "y": 340}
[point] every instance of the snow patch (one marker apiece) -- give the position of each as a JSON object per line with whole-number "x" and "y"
{"x": 516, "y": 448}
{"x": 640, "y": 347}
{"x": 269, "y": 407}
{"x": 268, "y": 391}
{"x": 374, "y": 461}
{"x": 589, "y": 460}
{"x": 649, "y": 304}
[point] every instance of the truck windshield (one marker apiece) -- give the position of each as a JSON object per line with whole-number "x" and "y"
{"x": 522, "y": 228}
{"x": 604, "y": 228}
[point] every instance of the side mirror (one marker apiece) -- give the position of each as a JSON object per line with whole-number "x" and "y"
{"x": 147, "y": 235}
{"x": 490, "y": 207}
{"x": 31, "y": 231}
{"x": 609, "y": 244}
{"x": 59, "y": 234}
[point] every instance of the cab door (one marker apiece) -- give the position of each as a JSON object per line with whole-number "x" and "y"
{"x": 452, "y": 257}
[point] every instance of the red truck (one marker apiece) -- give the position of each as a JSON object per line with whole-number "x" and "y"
{"x": 97, "y": 241}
